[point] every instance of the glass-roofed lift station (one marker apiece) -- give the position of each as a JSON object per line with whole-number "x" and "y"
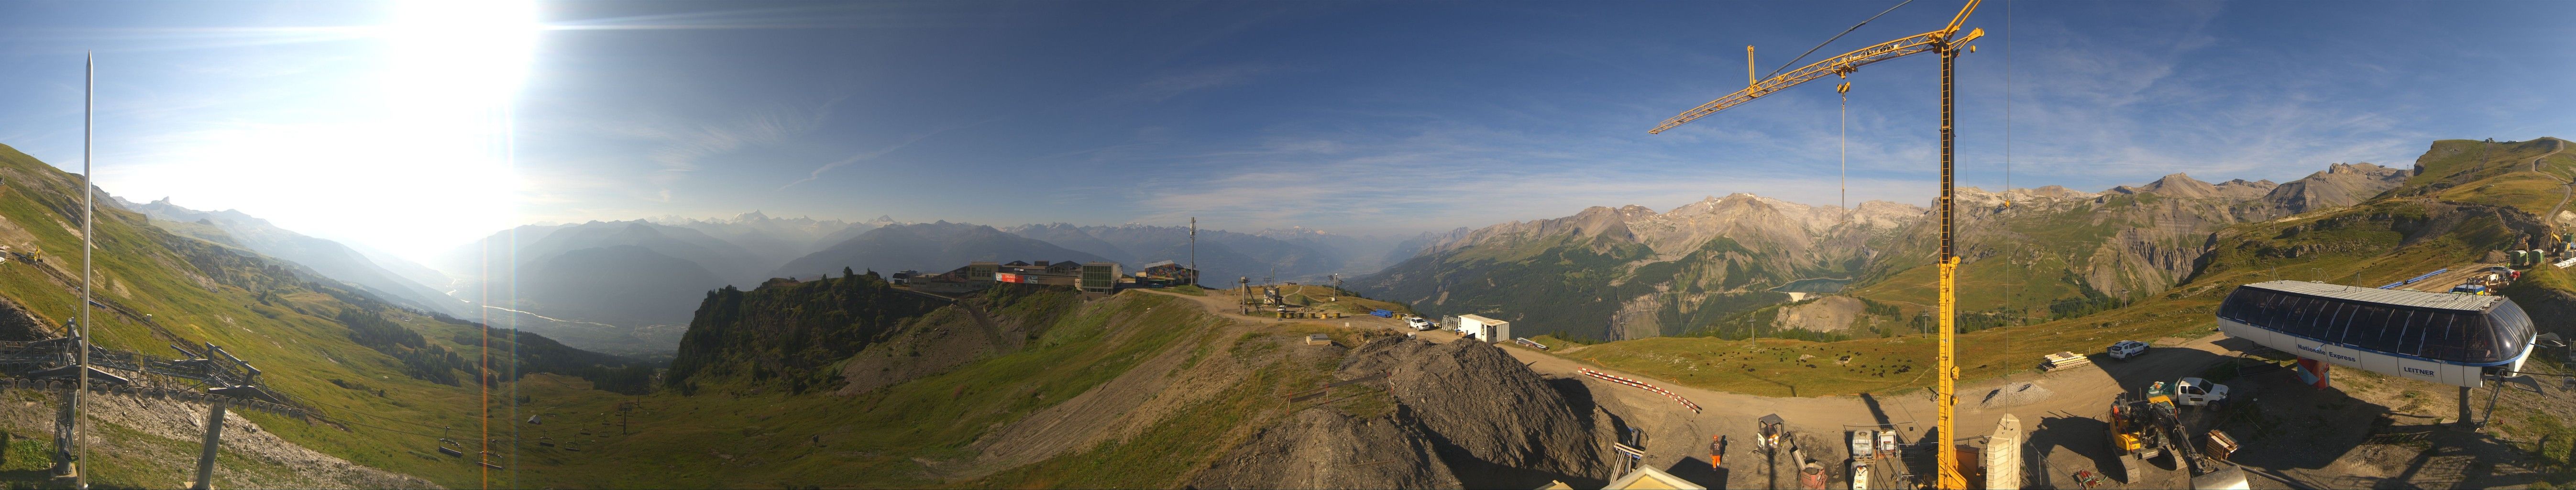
{"x": 2440, "y": 337}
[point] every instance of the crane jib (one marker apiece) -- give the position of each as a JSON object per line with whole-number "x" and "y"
{"x": 1843, "y": 64}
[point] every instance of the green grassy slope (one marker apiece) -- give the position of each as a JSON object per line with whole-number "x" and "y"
{"x": 2500, "y": 173}
{"x": 276, "y": 316}
{"x": 734, "y": 433}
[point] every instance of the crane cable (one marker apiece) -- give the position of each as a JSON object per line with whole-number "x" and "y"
{"x": 2016, "y": 318}
{"x": 1830, "y": 40}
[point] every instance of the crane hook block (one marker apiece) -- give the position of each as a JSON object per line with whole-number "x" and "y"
{"x": 1845, "y": 88}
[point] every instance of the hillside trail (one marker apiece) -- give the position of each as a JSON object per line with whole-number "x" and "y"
{"x": 1678, "y": 439}
{"x": 2570, "y": 191}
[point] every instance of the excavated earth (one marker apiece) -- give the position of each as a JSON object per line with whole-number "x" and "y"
{"x": 1463, "y": 414}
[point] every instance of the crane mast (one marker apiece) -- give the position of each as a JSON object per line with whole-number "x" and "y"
{"x": 1947, "y": 42}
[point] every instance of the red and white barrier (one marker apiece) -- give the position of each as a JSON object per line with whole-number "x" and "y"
{"x": 1694, "y": 407}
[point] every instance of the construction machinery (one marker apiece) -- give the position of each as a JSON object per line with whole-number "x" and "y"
{"x": 1773, "y": 430}
{"x": 1948, "y": 42}
{"x": 2149, "y": 426}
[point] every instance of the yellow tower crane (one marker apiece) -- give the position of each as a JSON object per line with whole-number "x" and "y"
{"x": 1949, "y": 43}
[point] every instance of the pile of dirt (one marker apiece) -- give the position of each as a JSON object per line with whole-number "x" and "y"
{"x": 1465, "y": 414}
{"x": 2014, "y": 395}
{"x": 1327, "y": 449}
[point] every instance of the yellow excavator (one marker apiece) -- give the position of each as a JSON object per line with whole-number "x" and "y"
{"x": 2149, "y": 426}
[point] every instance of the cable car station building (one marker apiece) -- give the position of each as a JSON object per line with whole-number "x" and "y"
{"x": 2455, "y": 339}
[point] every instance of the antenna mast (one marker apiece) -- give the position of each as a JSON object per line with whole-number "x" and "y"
{"x": 1194, "y": 250}
{"x": 89, "y": 206}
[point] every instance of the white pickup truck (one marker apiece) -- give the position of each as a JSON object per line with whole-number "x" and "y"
{"x": 2196, "y": 391}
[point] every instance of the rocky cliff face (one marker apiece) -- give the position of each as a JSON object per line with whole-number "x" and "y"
{"x": 2122, "y": 242}
{"x": 1464, "y": 414}
{"x": 2343, "y": 184}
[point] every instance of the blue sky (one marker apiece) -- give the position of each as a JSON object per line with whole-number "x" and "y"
{"x": 1365, "y": 117}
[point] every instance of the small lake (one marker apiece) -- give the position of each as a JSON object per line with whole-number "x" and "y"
{"x": 1815, "y": 285}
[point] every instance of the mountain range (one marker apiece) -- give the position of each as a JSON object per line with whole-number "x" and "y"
{"x": 376, "y": 272}
{"x": 1700, "y": 269}
{"x": 1603, "y": 273}
{"x": 927, "y": 247}
{"x": 1293, "y": 254}
{"x": 585, "y": 282}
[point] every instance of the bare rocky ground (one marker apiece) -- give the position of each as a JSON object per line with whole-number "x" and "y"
{"x": 2373, "y": 431}
{"x": 158, "y": 436}
{"x": 1462, "y": 414}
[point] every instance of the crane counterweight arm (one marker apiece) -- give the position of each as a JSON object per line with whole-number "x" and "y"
{"x": 1962, "y": 18}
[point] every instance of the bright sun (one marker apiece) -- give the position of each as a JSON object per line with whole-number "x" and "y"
{"x": 438, "y": 154}
{"x": 400, "y": 140}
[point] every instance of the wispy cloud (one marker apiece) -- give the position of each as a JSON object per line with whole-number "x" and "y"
{"x": 1448, "y": 176}
{"x": 881, "y": 152}
{"x": 1169, "y": 84}
{"x": 677, "y": 149}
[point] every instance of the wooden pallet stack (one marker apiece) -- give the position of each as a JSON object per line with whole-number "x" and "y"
{"x": 2063, "y": 360}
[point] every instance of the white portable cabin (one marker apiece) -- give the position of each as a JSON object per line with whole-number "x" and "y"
{"x": 1485, "y": 329}
{"x": 2003, "y": 454}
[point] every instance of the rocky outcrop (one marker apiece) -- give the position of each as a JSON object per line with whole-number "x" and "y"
{"x": 1826, "y": 314}
{"x": 2342, "y": 184}
{"x": 1465, "y": 414}
{"x": 2180, "y": 185}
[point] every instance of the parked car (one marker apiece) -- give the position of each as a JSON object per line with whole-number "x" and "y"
{"x": 2125, "y": 349}
{"x": 1418, "y": 323}
{"x": 2196, "y": 391}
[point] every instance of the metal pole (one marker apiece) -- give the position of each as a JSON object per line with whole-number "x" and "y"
{"x": 89, "y": 205}
{"x": 1194, "y": 250}
{"x": 214, "y": 438}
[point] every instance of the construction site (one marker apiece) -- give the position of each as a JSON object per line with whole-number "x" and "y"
{"x": 2211, "y": 412}
{"x": 2251, "y": 405}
